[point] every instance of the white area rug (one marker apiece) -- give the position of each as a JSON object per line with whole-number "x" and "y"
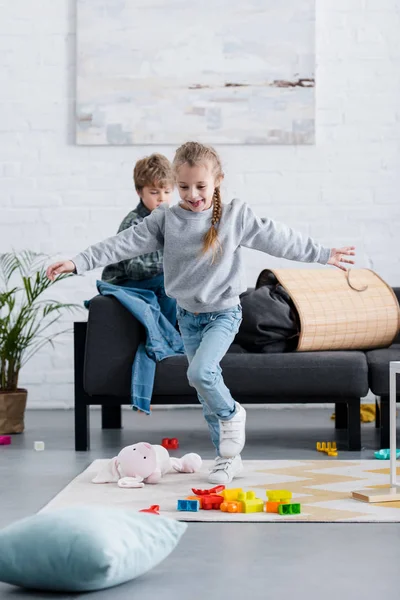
{"x": 323, "y": 488}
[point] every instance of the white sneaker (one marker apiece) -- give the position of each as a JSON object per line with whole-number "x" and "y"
{"x": 232, "y": 434}
{"x": 225, "y": 469}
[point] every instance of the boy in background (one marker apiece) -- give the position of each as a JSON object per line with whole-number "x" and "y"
{"x": 154, "y": 183}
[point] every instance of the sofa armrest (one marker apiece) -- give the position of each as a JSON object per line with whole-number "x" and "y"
{"x": 112, "y": 338}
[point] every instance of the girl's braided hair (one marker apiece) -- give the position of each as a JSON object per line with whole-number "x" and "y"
{"x": 194, "y": 154}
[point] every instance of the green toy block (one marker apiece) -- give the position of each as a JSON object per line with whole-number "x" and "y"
{"x": 289, "y": 509}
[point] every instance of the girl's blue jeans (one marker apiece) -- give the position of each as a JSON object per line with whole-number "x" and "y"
{"x": 206, "y": 338}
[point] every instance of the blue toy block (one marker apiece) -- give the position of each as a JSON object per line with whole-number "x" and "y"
{"x": 189, "y": 505}
{"x": 385, "y": 454}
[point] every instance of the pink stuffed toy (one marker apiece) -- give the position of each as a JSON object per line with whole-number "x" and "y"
{"x": 145, "y": 463}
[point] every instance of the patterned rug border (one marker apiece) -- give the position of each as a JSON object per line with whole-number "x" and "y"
{"x": 322, "y": 487}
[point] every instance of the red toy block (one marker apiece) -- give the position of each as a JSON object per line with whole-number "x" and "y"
{"x": 5, "y": 440}
{"x": 215, "y": 490}
{"x": 211, "y": 502}
{"x": 153, "y": 510}
{"x": 170, "y": 443}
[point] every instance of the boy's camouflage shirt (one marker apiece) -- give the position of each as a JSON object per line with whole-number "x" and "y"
{"x": 140, "y": 267}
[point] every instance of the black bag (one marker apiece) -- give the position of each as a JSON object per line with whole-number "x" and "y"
{"x": 270, "y": 320}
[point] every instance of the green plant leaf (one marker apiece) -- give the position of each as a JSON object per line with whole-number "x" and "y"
{"x": 24, "y": 314}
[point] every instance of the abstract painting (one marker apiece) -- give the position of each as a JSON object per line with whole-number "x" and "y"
{"x": 216, "y": 71}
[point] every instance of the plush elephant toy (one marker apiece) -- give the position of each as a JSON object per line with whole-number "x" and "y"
{"x": 145, "y": 463}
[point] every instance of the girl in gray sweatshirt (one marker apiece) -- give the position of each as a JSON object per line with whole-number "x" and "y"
{"x": 203, "y": 270}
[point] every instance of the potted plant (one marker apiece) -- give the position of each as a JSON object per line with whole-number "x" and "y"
{"x": 26, "y": 317}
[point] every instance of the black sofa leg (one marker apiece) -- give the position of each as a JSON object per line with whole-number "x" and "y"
{"x": 82, "y": 399}
{"x": 354, "y": 425}
{"x": 341, "y": 420}
{"x": 82, "y": 427}
{"x": 377, "y": 414}
{"x": 385, "y": 422}
{"x": 111, "y": 417}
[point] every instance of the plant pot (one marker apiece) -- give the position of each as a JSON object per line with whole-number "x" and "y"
{"x": 12, "y": 411}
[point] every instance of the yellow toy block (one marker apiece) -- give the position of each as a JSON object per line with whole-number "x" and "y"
{"x": 250, "y": 503}
{"x": 329, "y": 448}
{"x": 231, "y": 507}
{"x": 231, "y": 494}
{"x": 278, "y": 495}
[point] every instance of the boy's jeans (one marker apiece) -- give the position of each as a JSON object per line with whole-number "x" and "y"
{"x": 206, "y": 338}
{"x": 156, "y": 285}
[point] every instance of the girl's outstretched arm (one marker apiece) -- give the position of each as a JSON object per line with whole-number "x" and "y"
{"x": 142, "y": 238}
{"x": 279, "y": 240}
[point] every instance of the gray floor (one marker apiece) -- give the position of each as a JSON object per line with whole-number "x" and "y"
{"x": 232, "y": 561}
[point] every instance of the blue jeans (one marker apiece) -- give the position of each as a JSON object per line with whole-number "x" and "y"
{"x": 206, "y": 338}
{"x": 156, "y": 285}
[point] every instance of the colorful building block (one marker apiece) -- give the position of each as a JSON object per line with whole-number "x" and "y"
{"x": 231, "y": 507}
{"x": 215, "y": 490}
{"x": 272, "y": 507}
{"x": 198, "y": 498}
{"x": 211, "y": 502}
{"x": 188, "y": 505}
{"x": 329, "y": 448}
{"x": 153, "y": 510}
{"x": 231, "y": 494}
{"x": 250, "y": 504}
{"x": 289, "y": 509}
{"x": 170, "y": 443}
{"x": 5, "y": 440}
{"x": 278, "y": 495}
{"x": 381, "y": 454}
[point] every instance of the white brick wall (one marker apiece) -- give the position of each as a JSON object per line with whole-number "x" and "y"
{"x": 58, "y": 198}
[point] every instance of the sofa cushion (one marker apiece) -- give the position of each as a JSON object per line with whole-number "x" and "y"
{"x": 286, "y": 375}
{"x": 378, "y": 363}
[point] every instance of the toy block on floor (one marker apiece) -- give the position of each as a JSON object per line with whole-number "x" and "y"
{"x": 5, "y": 440}
{"x": 211, "y": 502}
{"x": 231, "y": 507}
{"x": 170, "y": 443}
{"x": 278, "y": 495}
{"x": 289, "y": 509}
{"x": 231, "y": 494}
{"x": 272, "y": 507}
{"x": 153, "y": 510}
{"x": 250, "y": 503}
{"x": 212, "y": 491}
{"x": 188, "y": 505}
{"x": 198, "y": 498}
{"x": 329, "y": 448}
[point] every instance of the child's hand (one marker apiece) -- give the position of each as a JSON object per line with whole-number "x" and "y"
{"x": 58, "y": 268}
{"x": 338, "y": 256}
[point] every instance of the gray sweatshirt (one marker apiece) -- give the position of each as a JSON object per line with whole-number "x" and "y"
{"x": 198, "y": 285}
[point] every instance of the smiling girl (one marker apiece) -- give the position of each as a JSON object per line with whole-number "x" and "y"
{"x": 203, "y": 269}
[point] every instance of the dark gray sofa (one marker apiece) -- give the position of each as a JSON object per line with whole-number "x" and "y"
{"x": 105, "y": 347}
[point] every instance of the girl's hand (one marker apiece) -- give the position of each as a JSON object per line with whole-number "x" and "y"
{"x": 58, "y": 268}
{"x": 338, "y": 256}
